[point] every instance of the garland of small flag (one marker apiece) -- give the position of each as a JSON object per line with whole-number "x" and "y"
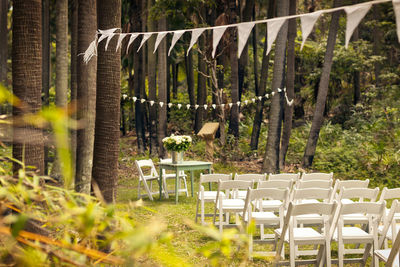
{"x": 213, "y": 106}
{"x": 355, "y": 13}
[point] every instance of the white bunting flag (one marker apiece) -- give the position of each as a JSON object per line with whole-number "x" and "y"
{"x": 160, "y": 37}
{"x": 170, "y": 105}
{"x": 254, "y": 100}
{"x": 109, "y": 39}
{"x": 120, "y": 38}
{"x": 238, "y": 103}
{"x": 188, "y": 106}
{"x": 106, "y": 33}
{"x": 354, "y": 15}
{"x": 273, "y": 28}
{"x": 134, "y": 98}
{"x": 396, "y": 8}
{"x": 217, "y": 35}
{"x": 273, "y": 93}
{"x": 142, "y": 100}
{"x": 196, "y": 106}
{"x": 175, "y": 39}
{"x": 260, "y": 97}
{"x": 179, "y": 106}
{"x": 214, "y": 106}
{"x": 151, "y": 103}
{"x": 230, "y": 104}
{"x": 307, "y": 24}
{"x": 133, "y": 37}
{"x": 205, "y": 107}
{"x": 290, "y": 103}
{"x": 222, "y": 105}
{"x": 146, "y": 36}
{"x": 124, "y": 96}
{"x": 90, "y": 52}
{"x": 161, "y": 104}
{"x": 244, "y": 30}
{"x": 195, "y": 35}
{"x": 245, "y": 102}
{"x": 284, "y": 89}
{"x": 267, "y": 95}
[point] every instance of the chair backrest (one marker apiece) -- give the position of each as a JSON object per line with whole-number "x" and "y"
{"x": 250, "y": 177}
{"x": 339, "y": 184}
{"x": 390, "y": 193}
{"x": 301, "y": 184}
{"x": 234, "y": 186}
{"x": 284, "y": 176}
{"x": 323, "y": 194}
{"x": 214, "y": 177}
{"x": 316, "y": 176}
{"x": 359, "y": 193}
{"x": 143, "y": 165}
{"x": 388, "y": 222}
{"x": 281, "y": 184}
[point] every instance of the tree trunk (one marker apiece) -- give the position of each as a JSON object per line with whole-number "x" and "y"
{"x": 254, "y": 40}
{"x": 377, "y": 38}
{"x": 175, "y": 70}
{"x": 152, "y": 82}
{"x": 27, "y": 80}
{"x": 46, "y": 68}
{"x": 74, "y": 77}
{"x": 106, "y": 139}
{"x": 288, "y": 110}
{"x": 162, "y": 88}
{"x": 318, "y": 118}
{"x": 87, "y": 27}
{"x": 271, "y": 159}
{"x": 190, "y": 77}
{"x": 61, "y": 67}
{"x": 4, "y": 41}
{"x": 201, "y": 88}
{"x": 356, "y": 73}
{"x": 255, "y": 134}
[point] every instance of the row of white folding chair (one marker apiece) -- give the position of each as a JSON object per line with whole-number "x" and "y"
{"x": 304, "y": 176}
{"x": 390, "y": 256}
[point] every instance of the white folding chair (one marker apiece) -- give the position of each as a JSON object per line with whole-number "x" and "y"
{"x": 388, "y": 195}
{"x": 390, "y": 256}
{"x": 339, "y": 184}
{"x": 295, "y": 236}
{"x": 326, "y": 184}
{"x": 389, "y": 229}
{"x": 204, "y": 196}
{"x": 284, "y": 176}
{"x": 354, "y": 235}
{"x": 316, "y": 176}
{"x": 230, "y": 203}
{"x": 273, "y": 205}
{"x": 254, "y": 177}
{"x": 166, "y": 176}
{"x": 147, "y": 173}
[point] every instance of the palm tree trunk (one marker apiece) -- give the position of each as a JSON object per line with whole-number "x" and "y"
{"x": 87, "y": 27}
{"x": 74, "y": 77}
{"x": 201, "y": 89}
{"x": 27, "y": 80}
{"x": 271, "y": 159}
{"x": 4, "y": 41}
{"x": 46, "y": 68}
{"x": 106, "y": 139}
{"x": 318, "y": 118}
{"x": 288, "y": 110}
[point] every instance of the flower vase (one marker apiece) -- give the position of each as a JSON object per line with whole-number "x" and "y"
{"x": 177, "y": 157}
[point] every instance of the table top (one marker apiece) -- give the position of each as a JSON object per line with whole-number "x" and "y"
{"x": 185, "y": 163}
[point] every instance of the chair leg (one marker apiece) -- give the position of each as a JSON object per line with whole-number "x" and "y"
{"x": 220, "y": 220}
{"x": 148, "y": 190}
{"x": 328, "y": 254}
{"x": 165, "y": 188}
{"x": 139, "y": 196}
{"x": 366, "y": 255}
{"x": 202, "y": 211}
{"x": 250, "y": 246}
{"x": 261, "y": 231}
{"x": 292, "y": 254}
{"x": 187, "y": 191}
{"x": 197, "y": 208}
{"x": 340, "y": 252}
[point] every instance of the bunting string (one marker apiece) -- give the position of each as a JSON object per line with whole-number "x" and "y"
{"x": 355, "y": 13}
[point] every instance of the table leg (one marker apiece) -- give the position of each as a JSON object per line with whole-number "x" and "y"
{"x": 209, "y": 172}
{"x": 192, "y": 181}
{"x": 160, "y": 182}
{"x": 176, "y": 185}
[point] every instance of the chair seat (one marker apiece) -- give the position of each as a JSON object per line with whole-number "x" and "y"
{"x": 389, "y": 232}
{"x": 351, "y": 233}
{"x": 303, "y": 201}
{"x": 212, "y": 195}
{"x": 271, "y": 204}
{"x": 303, "y": 234}
{"x": 383, "y": 254}
{"x": 149, "y": 177}
{"x": 232, "y": 204}
{"x": 346, "y": 201}
{"x": 355, "y": 218}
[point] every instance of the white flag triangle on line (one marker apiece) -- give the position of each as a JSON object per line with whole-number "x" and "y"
{"x": 120, "y": 38}
{"x": 131, "y": 39}
{"x": 217, "y": 35}
{"x": 109, "y": 39}
{"x": 307, "y": 24}
{"x": 106, "y": 33}
{"x": 160, "y": 36}
{"x": 273, "y": 29}
{"x": 175, "y": 38}
{"x": 244, "y": 30}
{"x": 396, "y": 8}
{"x": 354, "y": 15}
{"x": 146, "y": 36}
{"x": 195, "y": 35}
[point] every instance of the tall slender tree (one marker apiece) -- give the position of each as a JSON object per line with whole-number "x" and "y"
{"x": 46, "y": 68}
{"x": 106, "y": 139}
{"x": 201, "y": 88}
{"x": 4, "y": 41}
{"x": 271, "y": 159}
{"x": 87, "y": 27}
{"x": 318, "y": 118}
{"x": 27, "y": 79}
{"x": 74, "y": 76}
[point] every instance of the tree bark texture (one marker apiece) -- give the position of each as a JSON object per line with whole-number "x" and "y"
{"x": 27, "y": 80}
{"x": 87, "y": 27}
{"x": 271, "y": 159}
{"x": 190, "y": 78}
{"x": 318, "y": 118}
{"x": 162, "y": 88}
{"x": 46, "y": 68}
{"x": 74, "y": 77}
{"x": 4, "y": 41}
{"x": 201, "y": 88}
{"x": 61, "y": 66}
{"x": 106, "y": 139}
{"x": 288, "y": 110}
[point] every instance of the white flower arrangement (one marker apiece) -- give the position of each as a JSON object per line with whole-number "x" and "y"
{"x": 177, "y": 143}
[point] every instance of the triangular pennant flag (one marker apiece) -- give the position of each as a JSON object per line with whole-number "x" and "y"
{"x": 196, "y": 106}
{"x": 244, "y": 30}
{"x": 222, "y": 105}
{"x": 273, "y": 93}
{"x": 260, "y": 97}
{"x": 109, "y": 39}
{"x": 238, "y": 103}
{"x": 146, "y": 36}
{"x": 396, "y": 8}
{"x": 106, "y": 33}
{"x": 254, "y": 100}
{"x": 142, "y": 100}
{"x": 205, "y": 107}
{"x": 214, "y": 106}
{"x": 289, "y": 102}
{"x": 245, "y": 102}
{"x": 134, "y": 98}
{"x": 120, "y": 38}
{"x": 284, "y": 89}
{"x": 187, "y": 106}
{"x": 170, "y": 105}
{"x": 307, "y": 24}
{"x": 273, "y": 28}
{"x": 133, "y": 37}
{"x": 230, "y": 104}
{"x": 354, "y": 15}
{"x": 124, "y": 96}
{"x": 151, "y": 103}
{"x": 175, "y": 39}
{"x": 179, "y": 106}
{"x": 279, "y": 90}
{"x": 217, "y": 35}
{"x": 267, "y": 95}
{"x": 90, "y": 52}
{"x": 160, "y": 36}
{"x": 161, "y": 104}
{"x": 195, "y": 35}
